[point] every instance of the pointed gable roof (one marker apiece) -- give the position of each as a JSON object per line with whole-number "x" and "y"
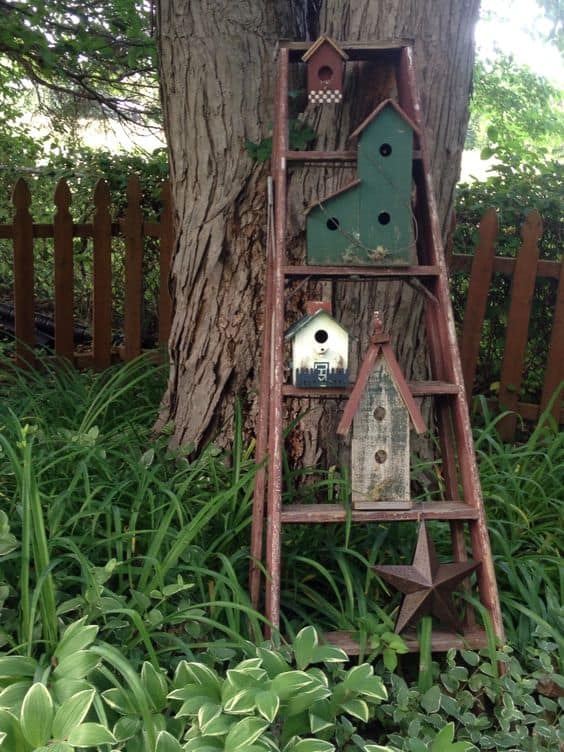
{"x": 374, "y": 114}
{"x": 321, "y": 41}
{"x": 305, "y": 320}
{"x": 344, "y": 189}
{"x": 380, "y": 344}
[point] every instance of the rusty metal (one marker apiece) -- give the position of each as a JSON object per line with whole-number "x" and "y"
{"x": 428, "y": 585}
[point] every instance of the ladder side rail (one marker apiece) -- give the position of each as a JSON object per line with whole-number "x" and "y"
{"x": 446, "y": 332}
{"x": 257, "y": 530}
{"x": 276, "y": 434}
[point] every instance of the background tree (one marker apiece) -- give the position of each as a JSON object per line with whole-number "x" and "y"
{"x": 217, "y": 82}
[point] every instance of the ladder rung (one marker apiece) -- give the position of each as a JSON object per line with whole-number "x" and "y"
{"x": 418, "y": 389}
{"x": 344, "y": 158}
{"x": 322, "y": 156}
{"x": 442, "y": 640}
{"x": 421, "y": 510}
{"x": 358, "y": 272}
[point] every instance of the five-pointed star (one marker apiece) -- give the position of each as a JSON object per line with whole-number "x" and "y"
{"x": 427, "y": 585}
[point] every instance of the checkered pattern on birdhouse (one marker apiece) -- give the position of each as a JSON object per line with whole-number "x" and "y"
{"x": 325, "y": 96}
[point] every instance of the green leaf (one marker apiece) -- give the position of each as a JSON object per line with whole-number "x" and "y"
{"x": 443, "y": 742}
{"x": 268, "y": 704}
{"x": 313, "y": 745}
{"x": 155, "y": 685}
{"x": 90, "y": 735}
{"x": 243, "y": 734}
{"x": 356, "y": 708}
{"x": 290, "y": 683}
{"x": 77, "y": 636}
{"x": 17, "y": 665}
{"x": 304, "y": 645}
{"x": 120, "y": 699}
{"x": 329, "y": 654}
{"x": 10, "y": 727}
{"x": 12, "y": 697}
{"x": 241, "y": 702}
{"x": 76, "y": 666}
{"x": 167, "y": 743}
{"x": 71, "y": 713}
{"x": 272, "y": 662}
{"x": 361, "y": 679}
{"x": 37, "y": 715}
{"x": 126, "y": 728}
{"x": 390, "y": 659}
{"x": 431, "y": 700}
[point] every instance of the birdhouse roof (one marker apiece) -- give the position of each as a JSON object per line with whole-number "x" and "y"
{"x": 373, "y": 115}
{"x": 319, "y": 43}
{"x": 380, "y": 345}
{"x": 344, "y": 189}
{"x": 303, "y": 322}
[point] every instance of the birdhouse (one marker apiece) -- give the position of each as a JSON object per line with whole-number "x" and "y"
{"x": 320, "y": 349}
{"x": 381, "y": 408}
{"x": 369, "y": 221}
{"x": 325, "y": 70}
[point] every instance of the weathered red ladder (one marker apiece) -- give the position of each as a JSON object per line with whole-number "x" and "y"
{"x": 458, "y": 459}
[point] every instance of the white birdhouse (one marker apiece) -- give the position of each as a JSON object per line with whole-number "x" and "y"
{"x": 320, "y": 349}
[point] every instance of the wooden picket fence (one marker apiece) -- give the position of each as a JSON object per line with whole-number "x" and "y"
{"x": 133, "y": 228}
{"x": 524, "y": 270}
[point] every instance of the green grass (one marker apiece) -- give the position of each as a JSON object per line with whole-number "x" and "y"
{"x": 112, "y": 525}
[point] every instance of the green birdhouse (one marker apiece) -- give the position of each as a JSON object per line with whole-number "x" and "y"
{"x": 369, "y": 221}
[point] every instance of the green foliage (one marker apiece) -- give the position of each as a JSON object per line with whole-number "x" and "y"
{"x": 102, "y": 52}
{"x": 301, "y": 136}
{"x": 517, "y": 118}
{"x": 489, "y": 712}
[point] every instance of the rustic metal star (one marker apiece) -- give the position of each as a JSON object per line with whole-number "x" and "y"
{"x": 428, "y": 585}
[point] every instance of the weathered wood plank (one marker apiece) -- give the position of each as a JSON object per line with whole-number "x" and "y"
{"x": 165, "y": 256}
{"x": 102, "y": 305}
{"x": 64, "y": 281}
{"x": 133, "y": 233}
{"x": 425, "y": 510}
{"x": 554, "y": 373}
{"x": 473, "y": 638}
{"x": 477, "y": 298}
{"x": 354, "y": 273}
{"x": 522, "y": 290}
{"x": 23, "y": 274}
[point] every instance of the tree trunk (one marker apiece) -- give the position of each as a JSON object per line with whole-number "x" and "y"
{"x": 217, "y": 77}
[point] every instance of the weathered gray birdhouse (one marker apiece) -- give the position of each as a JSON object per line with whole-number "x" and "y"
{"x": 320, "y": 349}
{"x": 382, "y": 409}
{"x": 325, "y": 70}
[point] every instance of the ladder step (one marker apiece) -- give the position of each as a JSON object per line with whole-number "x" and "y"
{"x": 474, "y": 638}
{"x": 354, "y": 273}
{"x": 418, "y": 389}
{"x": 421, "y": 510}
{"x": 336, "y": 158}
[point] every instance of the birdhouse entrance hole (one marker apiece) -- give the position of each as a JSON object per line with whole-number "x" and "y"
{"x": 384, "y": 218}
{"x": 333, "y": 223}
{"x": 321, "y": 336}
{"x": 385, "y": 150}
{"x": 325, "y": 73}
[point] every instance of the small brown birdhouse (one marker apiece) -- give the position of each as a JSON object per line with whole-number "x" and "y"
{"x": 382, "y": 407}
{"x": 325, "y": 70}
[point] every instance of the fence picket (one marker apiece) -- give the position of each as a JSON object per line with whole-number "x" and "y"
{"x": 522, "y": 290}
{"x": 165, "y": 255}
{"x": 476, "y": 301}
{"x": 102, "y": 300}
{"x": 23, "y": 274}
{"x": 64, "y": 300}
{"x": 133, "y": 232}
{"x": 554, "y": 373}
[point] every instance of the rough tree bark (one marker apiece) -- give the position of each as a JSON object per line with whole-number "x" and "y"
{"x": 217, "y": 77}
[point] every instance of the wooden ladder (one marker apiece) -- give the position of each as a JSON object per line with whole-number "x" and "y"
{"x": 465, "y": 504}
